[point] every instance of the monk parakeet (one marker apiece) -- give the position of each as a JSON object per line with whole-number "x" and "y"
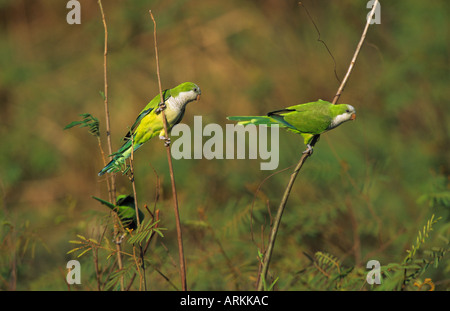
{"x": 149, "y": 123}
{"x": 125, "y": 210}
{"x": 305, "y": 119}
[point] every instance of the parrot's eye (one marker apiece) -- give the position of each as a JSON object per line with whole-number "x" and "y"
{"x": 348, "y": 110}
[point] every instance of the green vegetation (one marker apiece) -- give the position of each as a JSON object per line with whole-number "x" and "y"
{"x": 374, "y": 189}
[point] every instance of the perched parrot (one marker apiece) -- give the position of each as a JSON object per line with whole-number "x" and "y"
{"x": 149, "y": 123}
{"x": 305, "y": 119}
{"x": 125, "y": 210}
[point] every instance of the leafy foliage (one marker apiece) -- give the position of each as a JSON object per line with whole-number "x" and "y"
{"x": 88, "y": 121}
{"x": 86, "y": 245}
{"x": 424, "y": 233}
{"x": 145, "y": 232}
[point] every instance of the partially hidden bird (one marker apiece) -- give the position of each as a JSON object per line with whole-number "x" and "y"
{"x": 150, "y": 123}
{"x": 307, "y": 119}
{"x": 125, "y": 210}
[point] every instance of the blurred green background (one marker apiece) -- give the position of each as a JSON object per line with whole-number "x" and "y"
{"x": 370, "y": 186}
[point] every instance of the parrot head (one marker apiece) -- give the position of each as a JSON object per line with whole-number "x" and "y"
{"x": 187, "y": 91}
{"x": 342, "y": 113}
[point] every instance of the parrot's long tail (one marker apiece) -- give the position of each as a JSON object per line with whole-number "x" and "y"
{"x": 119, "y": 158}
{"x": 257, "y": 120}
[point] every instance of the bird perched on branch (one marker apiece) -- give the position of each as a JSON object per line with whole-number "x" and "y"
{"x": 308, "y": 119}
{"x": 150, "y": 123}
{"x": 125, "y": 209}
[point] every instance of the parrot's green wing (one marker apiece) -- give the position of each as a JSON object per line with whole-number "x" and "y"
{"x": 126, "y": 200}
{"x": 311, "y": 118}
{"x": 124, "y": 207}
{"x": 125, "y": 204}
{"x": 125, "y": 210}
{"x": 278, "y": 115}
{"x": 153, "y": 104}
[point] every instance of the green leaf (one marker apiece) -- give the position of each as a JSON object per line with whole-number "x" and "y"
{"x": 84, "y": 252}
{"x": 75, "y": 242}
{"x": 88, "y": 121}
{"x": 74, "y": 250}
{"x": 72, "y": 124}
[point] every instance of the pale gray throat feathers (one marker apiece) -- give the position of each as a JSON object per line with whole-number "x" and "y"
{"x": 179, "y": 102}
{"x": 339, "y": 119}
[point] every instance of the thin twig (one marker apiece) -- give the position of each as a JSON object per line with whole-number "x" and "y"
{"x": 133, "y": 183}
{"x": 355, "y": 56}
{"x": 112, "y": 189}
{"x": 172, "y": 178}
{"x": 321, "y": 41}
{"x": 136, "y": 262}
{"x": 276, "y": 223}
{"x": 136, "y": 207}
{"x": 256, "y": 193}
{"x": 268, "y": 253}
{"x": 108, "y": 181}
{"x": 144, "y": 251}
{"x": 157, "y": 190}
{"x": 97, "y": 272}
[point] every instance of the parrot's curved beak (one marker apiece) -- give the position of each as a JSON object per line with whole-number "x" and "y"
{"x": 353, "y": 117}
{"x": 198, "y": 97}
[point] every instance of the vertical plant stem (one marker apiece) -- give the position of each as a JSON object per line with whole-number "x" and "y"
{"x": 102, "y": 152}
{"x": 276, "y": 224}
{"x": 133, "y": 182}
{"x": 172, "y": 178}
{"x": 268, "y": 253}
{"x": 97, "y": 271}
{"x": 112, "y": 184}
{"x": 355, "y": 55}
{"x": 141, "y": 252}
{"x": 112, "y": 189}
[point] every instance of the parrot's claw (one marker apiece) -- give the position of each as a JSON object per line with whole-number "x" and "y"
{"x": 166, "y": 140}
{"x": 309, "y": 150}
{"x": 160, "y": 108}
{"x": 118, "y": 240}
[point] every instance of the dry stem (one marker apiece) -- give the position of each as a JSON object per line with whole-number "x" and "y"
{"x": 112, "y": 185}
{"x": 142, "y": 279}
{"x": 172, "y": 178}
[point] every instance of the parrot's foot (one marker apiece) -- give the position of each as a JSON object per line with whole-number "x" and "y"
{"x": 166, "y": 140}
{"x": 309, "y": 150}
{"x": 160, "y": 108}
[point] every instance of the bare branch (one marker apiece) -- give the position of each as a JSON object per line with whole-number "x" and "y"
{"x": 172, "y": 178}
{"x": 355, "y": 56}
{"x": 112, "y": 184}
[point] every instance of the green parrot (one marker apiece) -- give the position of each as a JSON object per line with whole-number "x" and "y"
{"x": 308, "y": 119}
{"x": 125, "y": 209}
{"x": 149, "y": 123}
